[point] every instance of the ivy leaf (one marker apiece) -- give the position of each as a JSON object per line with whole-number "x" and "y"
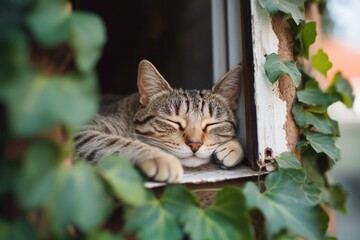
{"x": 177, "y": 200}
{"x": 79, "y": 198}
{"x": 18, "y": 229}
{"x": 313, "y": 97}
{"x": 152, "y": 221}
{"x": 286, "y": 236}
{"x": 103, "y": 235}
{"x": 323, "y": 143}
{"x": 48, "y": 22}
{"x": 288, "y": 160}
{"x": 124, "y": 180}
{"x": 52, "y": 24}
{"x": 302, "y": 144}
{"x": 225, "y": 219}
{"x": 311, "y": 160}
{"x": 293, "y": 7}
{"x": 342, "y": 87}
{"x": 9, "y": 175}
{"x": 307, "y": 36}
{"x": 314, "y": 192}
{"x": 320, "y": 121}
{"x": 285, "y": 205}
{"x": 317, "y": 187}
{"x": 46, "y": 100}
{"x": 38, "y": 175}
{"x": 274, "y": 69}
{"x": 14, "y": 54}
{"x": 320, "y": 61}
{"x": 87, "y": 39}
{"x": 337, "y": 197}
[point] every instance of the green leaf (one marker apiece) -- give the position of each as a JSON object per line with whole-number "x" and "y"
{"x": 320, "y": 121}
{"x": 177, "y": 200}
{"x": 311, "y": 161}
{"x": 103, "y": 235}
{"x": 302, "y": 144}
{"x": 79, "y": 198}
{"x": 152, "y": 221}
{"x": 313, "y": 97}
{"x": 317, "y": 187}
{"x": 330, "y": 238}
{"x": 12, "y": 15}
{"x": 14, "y": 53}
{"x": 286, "y": 236}
{"x": 342, "y": 87}
{"x": 288, "y": 160}
{"x": 124, "y": 180}
{"x": 38, "y": 175}
{"x": 49, "y": 22}
{"x": 87, "y": 39}
{"x": 285, "y": 205}
{"x": 314, "y": 192}
{"x": 52, "y": 24}
{"x": 225, "y": 219}
{"x": 293, "y": 7}
{"x": 307, "y": 37}
{"x": 159, "y": 219}
{"x": 8, "y": 176}
{"x": 274, "y": 69}
{"x": 18, "y": 230}
{"x": 323, "y": 143}
{"x": 337, "y": 197}
{"x": 47, "y": 100}
{"x": 320, "y": 61}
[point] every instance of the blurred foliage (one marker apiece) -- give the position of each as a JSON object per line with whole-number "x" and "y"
{"x": 318, "y": 131}
{"x": 320, "y": 62}
{"x": 47, "y": 79}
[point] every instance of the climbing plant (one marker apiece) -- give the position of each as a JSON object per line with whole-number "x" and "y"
{"x": 48, "y": 82}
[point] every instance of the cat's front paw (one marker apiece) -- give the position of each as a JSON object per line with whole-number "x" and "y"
{"x": 161, "y": 166}
{"x": 229, "y": 153}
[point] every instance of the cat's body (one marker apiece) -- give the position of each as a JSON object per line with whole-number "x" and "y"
{"x": 160, "y": 129}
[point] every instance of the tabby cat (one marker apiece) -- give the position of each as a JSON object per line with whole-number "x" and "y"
{"x": 161, "y": 129}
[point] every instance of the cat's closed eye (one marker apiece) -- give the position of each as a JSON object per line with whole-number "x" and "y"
{"x": 210, "y": 124}
{"x": 176, "y": 123}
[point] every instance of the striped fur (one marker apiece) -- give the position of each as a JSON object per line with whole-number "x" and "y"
{"x": 161, "y": 129}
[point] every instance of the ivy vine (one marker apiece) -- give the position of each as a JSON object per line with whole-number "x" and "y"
{"x": 42, "y": 198}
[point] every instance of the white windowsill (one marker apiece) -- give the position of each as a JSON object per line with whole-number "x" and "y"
{"x": 211, "y": 173}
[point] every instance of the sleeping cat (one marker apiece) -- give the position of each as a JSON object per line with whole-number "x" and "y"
{"x": 161, "y": 129}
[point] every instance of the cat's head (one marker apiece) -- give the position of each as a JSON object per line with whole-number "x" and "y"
{"x": 189, "y": 124}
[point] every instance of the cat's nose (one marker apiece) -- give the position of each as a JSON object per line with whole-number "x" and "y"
{"x": 194, "y": 146}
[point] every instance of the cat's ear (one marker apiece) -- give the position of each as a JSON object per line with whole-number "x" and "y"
{"x": 150, "y": 82}
{"x": 229, "y": 86}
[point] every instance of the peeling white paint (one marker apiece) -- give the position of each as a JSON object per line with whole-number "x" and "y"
{"x": 271, "y": 110}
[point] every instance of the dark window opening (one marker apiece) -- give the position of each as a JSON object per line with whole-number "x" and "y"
{"x": 174, "y": 35}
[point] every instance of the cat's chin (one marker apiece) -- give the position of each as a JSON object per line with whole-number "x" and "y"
{"x": 194, "y": 161}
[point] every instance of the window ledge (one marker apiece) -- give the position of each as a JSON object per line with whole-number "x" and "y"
{"x": 211, "y": 173}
